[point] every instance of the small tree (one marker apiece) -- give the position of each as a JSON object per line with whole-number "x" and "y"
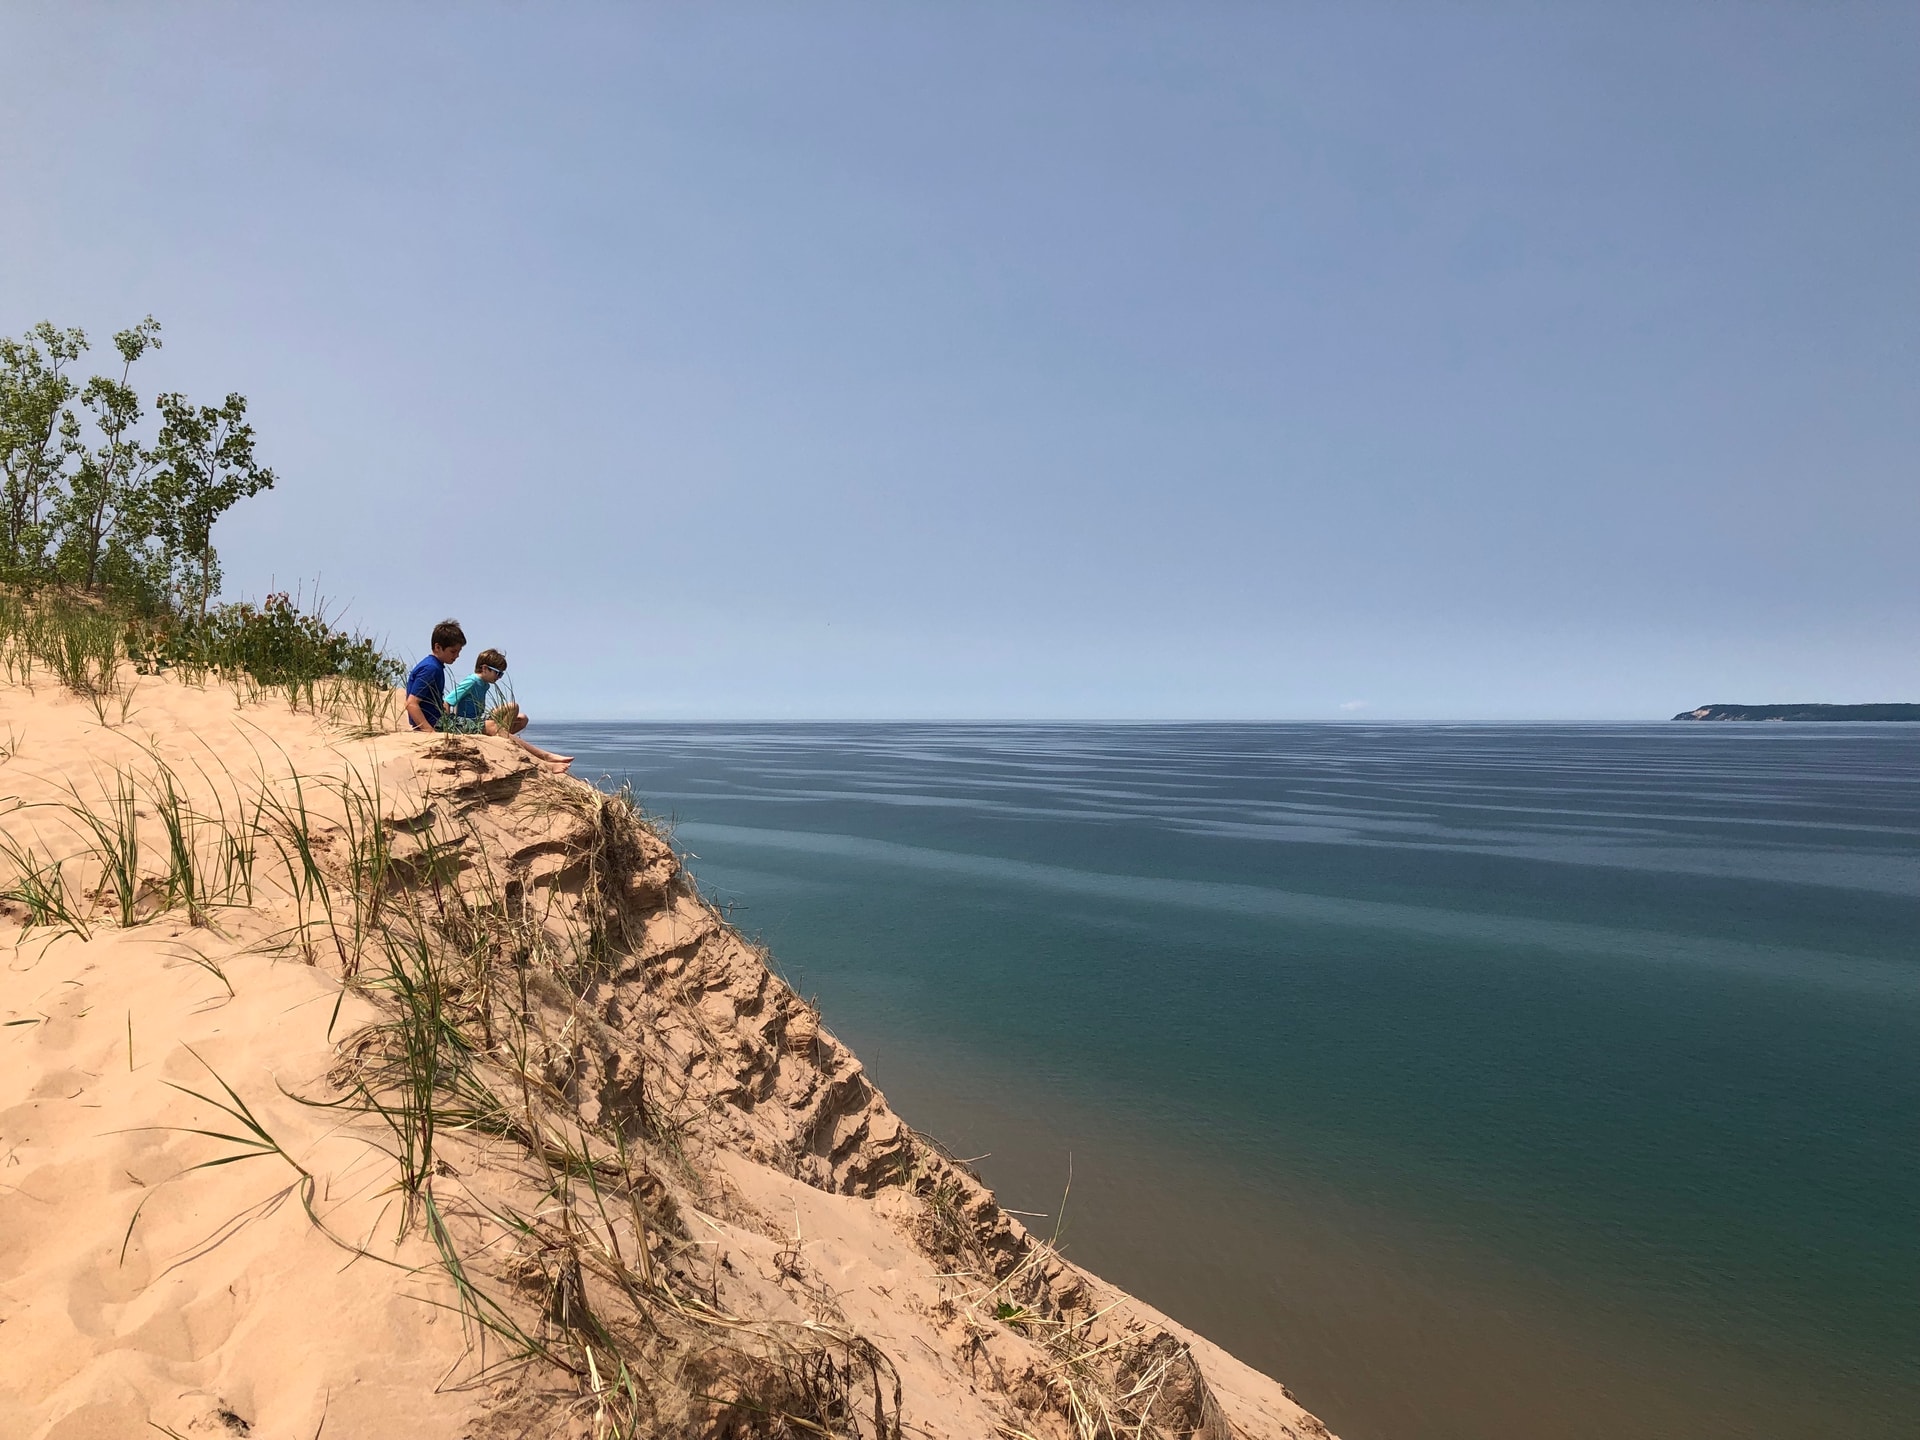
{"x": 204, "y": 465}
{"x": 103, "y": 495}
{"x": 38, "y": 435}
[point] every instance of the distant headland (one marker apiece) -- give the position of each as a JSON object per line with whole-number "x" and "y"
{"x": 1802, "y": 712}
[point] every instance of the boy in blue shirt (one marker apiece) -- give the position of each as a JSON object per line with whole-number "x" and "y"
{"x": 427, "y": 681}
{"x": 467, "y": 710}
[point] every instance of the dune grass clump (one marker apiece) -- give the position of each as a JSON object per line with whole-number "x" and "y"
{"x": 114, "y": 829}
{"x": 15, "y": 662}
{"x": 287, "y": 825}
{"x": 369, "y": 847}
{"x": 81, "y": 645}
{"x": 204, "y": 857}
{"x": 207, "y": 860}
{"x": 359, "y": 705}
{"x": 74, "y": 640}
{"x": 40, "y": 889}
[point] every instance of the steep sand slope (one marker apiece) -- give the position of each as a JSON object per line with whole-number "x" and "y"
{"x": 651, "y": 1165}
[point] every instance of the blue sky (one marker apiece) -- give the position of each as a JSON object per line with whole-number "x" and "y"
{"x": 1224, "y": 360}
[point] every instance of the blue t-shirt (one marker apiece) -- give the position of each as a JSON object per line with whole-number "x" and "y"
{"x": 427, "y": 682}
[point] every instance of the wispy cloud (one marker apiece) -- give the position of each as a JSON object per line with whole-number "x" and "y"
{"x": 1353, "y": 704}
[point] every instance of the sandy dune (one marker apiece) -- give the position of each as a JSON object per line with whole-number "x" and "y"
{"x": 648, "y": 1156}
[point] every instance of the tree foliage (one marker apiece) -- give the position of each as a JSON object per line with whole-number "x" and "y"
{"x": 204, "y": 466}
{"x": 111, "y": 475}
{"x": 39, "y": 436}
{"x": 89, "y": 499}
{"x": 99, "y": 496}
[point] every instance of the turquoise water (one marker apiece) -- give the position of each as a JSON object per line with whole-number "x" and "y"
{"x": 1501, "y": 1083}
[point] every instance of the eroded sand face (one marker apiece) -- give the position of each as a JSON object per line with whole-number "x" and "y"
{"x": 274, "y": 1295}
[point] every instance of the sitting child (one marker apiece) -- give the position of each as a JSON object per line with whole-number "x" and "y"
{"x": 467, "y": 709}
{"x": 426, "y": 704}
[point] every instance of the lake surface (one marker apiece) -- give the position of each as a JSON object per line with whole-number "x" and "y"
{"x": 1482, "y": 1083}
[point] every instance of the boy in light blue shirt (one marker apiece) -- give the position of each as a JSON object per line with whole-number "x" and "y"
{"x": 467, "y": 711}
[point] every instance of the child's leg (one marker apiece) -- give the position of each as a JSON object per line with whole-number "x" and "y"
{"x": 544, "y": 757}
{"x": 508, "y": 721}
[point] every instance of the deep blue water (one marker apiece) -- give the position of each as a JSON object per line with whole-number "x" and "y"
{"x": 1501, "y": 1083}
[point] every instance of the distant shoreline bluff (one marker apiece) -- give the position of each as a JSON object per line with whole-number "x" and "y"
{"x": 1802, "y": 712}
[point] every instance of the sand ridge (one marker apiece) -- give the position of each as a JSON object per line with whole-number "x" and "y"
{"x": 673, "y": 1166}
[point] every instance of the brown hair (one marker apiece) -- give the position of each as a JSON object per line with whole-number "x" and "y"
{"x": 448, "y": 632}
{"x": 492, "y": 658}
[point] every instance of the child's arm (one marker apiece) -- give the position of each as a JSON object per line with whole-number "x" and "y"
{"x": 468, "y": 700}
{"x": 415, "y": 715}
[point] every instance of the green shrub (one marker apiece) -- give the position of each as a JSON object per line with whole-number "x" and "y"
{"x": 277, "y": 642}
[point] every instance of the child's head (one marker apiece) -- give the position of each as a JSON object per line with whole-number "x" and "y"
{"x": 491, "y": 660}
{"x": 448, "y": 640}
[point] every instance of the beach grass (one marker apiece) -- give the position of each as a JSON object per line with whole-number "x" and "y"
{"x": 41, "y": 889}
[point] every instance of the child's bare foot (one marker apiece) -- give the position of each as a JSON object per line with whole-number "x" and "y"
{"x": 559, "y": 767}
